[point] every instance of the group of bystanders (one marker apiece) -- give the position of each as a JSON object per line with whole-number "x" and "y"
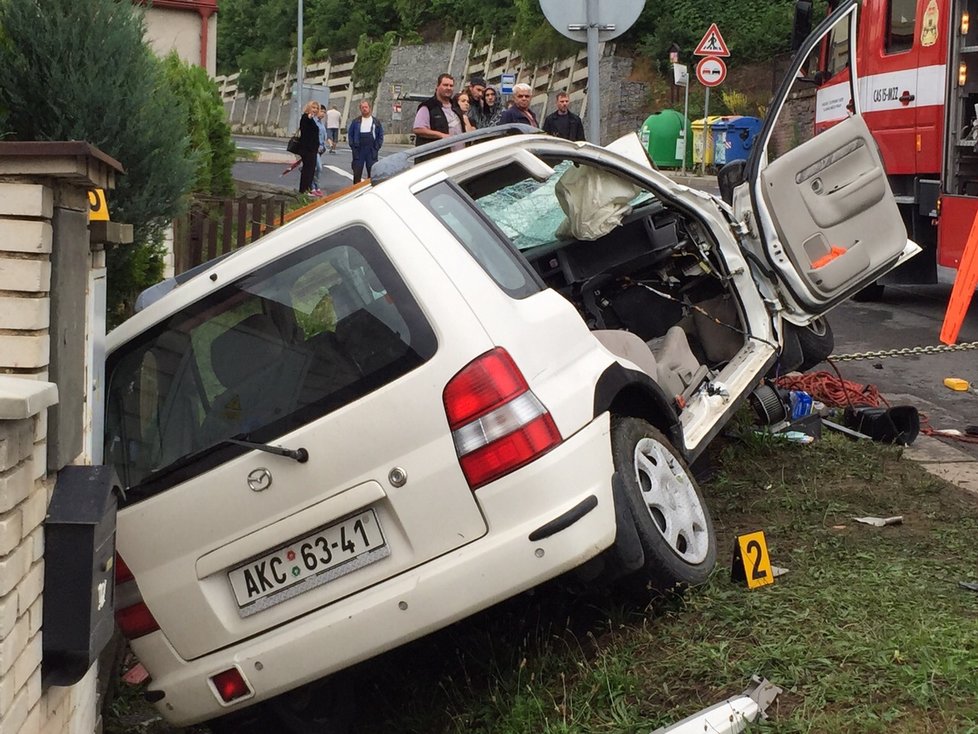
{"x": 442, "y": 115}
{"x": 445, "y": 113}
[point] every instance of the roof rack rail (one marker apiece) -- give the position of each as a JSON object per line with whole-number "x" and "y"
{"x": 392, "y": 165}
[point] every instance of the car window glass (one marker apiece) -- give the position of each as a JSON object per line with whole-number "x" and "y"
{"x": 272, "y": 351}
{"x": 900, "y": 25}
{"x": 480, "y": 239}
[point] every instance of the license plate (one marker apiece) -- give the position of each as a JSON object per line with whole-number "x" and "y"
{"x": 308, "y": 562}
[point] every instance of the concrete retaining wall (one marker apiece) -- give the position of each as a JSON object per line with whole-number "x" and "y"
{"x": 414, "y": 70}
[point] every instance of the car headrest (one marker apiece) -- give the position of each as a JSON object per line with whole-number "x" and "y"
{"x": 253, "y": 345}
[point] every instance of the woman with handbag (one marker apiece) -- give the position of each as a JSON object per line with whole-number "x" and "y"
{"x": 308, "y": 144}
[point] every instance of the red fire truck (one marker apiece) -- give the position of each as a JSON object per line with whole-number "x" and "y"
{"x": 917, "y": 63}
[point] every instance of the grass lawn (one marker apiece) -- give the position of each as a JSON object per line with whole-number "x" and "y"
{"x": 869, "y": 630}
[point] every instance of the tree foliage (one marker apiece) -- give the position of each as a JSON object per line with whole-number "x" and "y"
{"x": 90, "y": 76}
{"x": 256, "y": 36}
{"x": 372, "y": 60}
{"x": 210, "y": 135}
{"x": 753, "y": 29}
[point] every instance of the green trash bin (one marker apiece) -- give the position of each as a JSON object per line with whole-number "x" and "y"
{"x": 697, "y": 129}
{"x": 662, "y": 137}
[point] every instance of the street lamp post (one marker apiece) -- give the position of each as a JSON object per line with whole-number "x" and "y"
{"x": 298, "y": 66}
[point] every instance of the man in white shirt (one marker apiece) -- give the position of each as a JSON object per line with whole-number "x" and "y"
{"x": 332, "y": 127}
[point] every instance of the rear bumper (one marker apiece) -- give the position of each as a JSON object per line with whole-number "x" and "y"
{"x": 499, "y": 565}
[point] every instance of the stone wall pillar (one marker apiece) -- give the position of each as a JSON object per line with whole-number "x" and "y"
{"x": 46, "y": 370}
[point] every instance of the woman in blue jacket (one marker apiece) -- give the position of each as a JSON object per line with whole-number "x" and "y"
{"x": 365, "y": 136}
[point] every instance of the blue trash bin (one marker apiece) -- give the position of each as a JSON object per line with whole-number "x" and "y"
{"x": 740, "y": 136}
{"x": 721, "y": 141}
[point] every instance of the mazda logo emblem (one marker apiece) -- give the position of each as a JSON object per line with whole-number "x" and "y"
{"x": 259, "y": 480}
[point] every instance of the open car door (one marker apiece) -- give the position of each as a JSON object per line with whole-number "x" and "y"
{"x": 823, "y": 208}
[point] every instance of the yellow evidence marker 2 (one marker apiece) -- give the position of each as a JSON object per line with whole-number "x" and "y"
{"x": 98, "y": 209}
{"x": 751, "y": 562}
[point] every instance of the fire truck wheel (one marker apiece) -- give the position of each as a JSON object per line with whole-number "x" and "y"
{"x": 816, "y": 341}
{"x": 870, "y": 294}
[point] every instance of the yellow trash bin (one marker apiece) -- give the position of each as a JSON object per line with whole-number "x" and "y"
{"x": 698, "y": 139}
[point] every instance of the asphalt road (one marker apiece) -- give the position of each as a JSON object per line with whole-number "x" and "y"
{"x": 911, "y": 316}
{"x": 908, "y": 316}
{"x": 337, "y": 172}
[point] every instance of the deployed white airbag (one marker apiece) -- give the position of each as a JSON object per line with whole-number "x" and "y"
{"x": 594, "y": 201}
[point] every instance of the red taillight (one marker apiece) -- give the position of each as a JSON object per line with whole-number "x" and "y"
{"x": 498, "y": 424}
{"x": 230, "y": 685}
{"x": 122, "y": 572}
{"x": 482, "y": 385}
{"x": 131, "y": 613}
{"x": 136, "y": 620}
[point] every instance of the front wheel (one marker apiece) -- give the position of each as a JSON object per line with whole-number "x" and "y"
{"x": 666, "y": 505}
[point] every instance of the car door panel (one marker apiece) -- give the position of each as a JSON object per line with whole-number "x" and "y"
{"x": 824, "y": 209}
{"x": 836, "y": 192}
{"x": 840, "y": 185}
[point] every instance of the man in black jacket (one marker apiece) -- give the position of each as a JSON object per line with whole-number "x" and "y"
{"x": 437, "y": 116}
{"x": 563, "y": 123}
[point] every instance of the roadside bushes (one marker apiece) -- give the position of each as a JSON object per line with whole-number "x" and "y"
{"x": 74, "y": 70}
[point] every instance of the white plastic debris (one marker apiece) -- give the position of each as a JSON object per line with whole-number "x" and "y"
{"x": 730, "y": 716}
{"x": 880, "y": 521}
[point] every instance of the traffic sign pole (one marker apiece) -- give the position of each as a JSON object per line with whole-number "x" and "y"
{"x": 687, "y": 139}
{"x": 710, "y": 72}
{"x": 706, "y": 130}
{"x": 593, "y": 86}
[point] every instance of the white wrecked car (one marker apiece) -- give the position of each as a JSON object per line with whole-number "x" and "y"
{"x": 482, "y": 371}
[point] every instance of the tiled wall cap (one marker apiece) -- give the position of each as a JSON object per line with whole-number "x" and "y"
{"x": 22, "y": 398}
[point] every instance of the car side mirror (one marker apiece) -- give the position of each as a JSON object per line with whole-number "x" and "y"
{"x": 802, "y": 26}
{"x": 818, "y": 78}
{"x": 730, "y": 177}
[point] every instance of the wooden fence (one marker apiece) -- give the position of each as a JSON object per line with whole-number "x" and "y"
{"x": 214, "y": 226}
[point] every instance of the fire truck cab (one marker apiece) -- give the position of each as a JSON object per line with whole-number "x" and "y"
{"x": 917, "y": 68}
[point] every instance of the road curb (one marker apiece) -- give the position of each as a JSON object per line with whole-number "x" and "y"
{"x": 945, "y": 461}
{"x": 265, "y": 156}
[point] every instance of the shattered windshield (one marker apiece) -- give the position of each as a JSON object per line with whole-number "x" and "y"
{"x": 262, "y": 356}
{"x": 578, "y": 202}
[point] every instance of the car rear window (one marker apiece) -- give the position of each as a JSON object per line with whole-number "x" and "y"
{"x": 276, "y": 349}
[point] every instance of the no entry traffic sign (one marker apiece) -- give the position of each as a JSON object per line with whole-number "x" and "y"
{"x": 711, "y": 71}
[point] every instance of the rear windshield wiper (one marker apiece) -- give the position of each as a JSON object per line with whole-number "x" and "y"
{"x": 143, "y": 488}
{"x": 300, "y": 454}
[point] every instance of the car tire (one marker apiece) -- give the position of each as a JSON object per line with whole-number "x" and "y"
{"x": 816, "y": 341}
{"x": 667, "y": 507}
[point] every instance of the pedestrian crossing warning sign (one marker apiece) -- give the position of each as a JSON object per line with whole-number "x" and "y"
{"x": 712, "y": 44}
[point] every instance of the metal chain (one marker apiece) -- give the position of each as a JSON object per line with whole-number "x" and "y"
{"x": 905, "y": 352}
